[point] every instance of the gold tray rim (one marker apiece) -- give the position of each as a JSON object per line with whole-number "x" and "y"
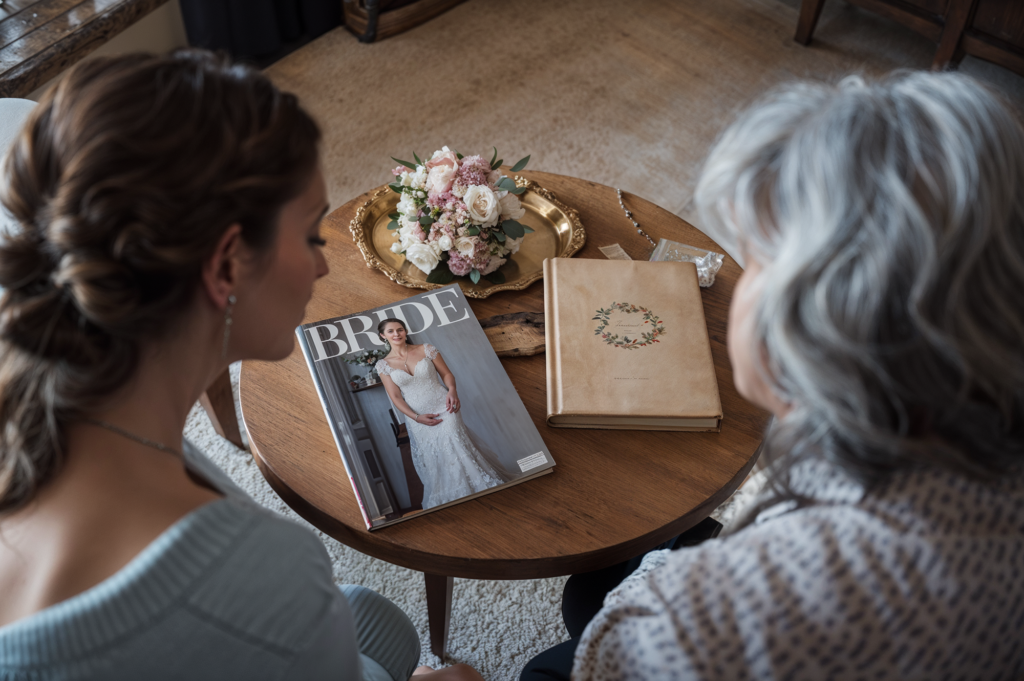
{"x": 362, "y": 235}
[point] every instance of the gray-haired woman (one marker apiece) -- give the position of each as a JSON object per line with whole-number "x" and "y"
{"x": 881, "y": 319}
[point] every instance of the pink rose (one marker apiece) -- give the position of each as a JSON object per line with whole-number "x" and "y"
{"x": 443, "y": 157}
{"x": 441, "y": 171}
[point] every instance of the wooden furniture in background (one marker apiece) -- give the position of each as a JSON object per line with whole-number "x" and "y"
{"x": 41, "y": 38}
{"x": 613, "y": 494}
{"x": 372, "y": 20}
{"x": 989, "y": 29}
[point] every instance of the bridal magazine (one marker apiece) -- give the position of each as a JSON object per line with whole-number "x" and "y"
{"x": 400, "y": 467}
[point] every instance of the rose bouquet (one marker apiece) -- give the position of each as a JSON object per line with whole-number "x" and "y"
{"x": 457, "y": 215}
{"x": 368, "y": 358}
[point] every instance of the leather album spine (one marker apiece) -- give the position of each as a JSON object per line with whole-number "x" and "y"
{"x": 551, "y": 350}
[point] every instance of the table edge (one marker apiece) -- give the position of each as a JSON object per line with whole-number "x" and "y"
{"x": 494, "y": 568}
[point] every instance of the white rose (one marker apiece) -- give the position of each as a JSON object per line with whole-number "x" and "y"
{"x": 422, "y": 256}
{"x": 397, "y": 247}
{"x": 482, "y": 205}
{"x": 409, "y": 233}
{"x": 510, "y": 207}
{"x": 445, "y": 242}
{"x": 465, "y": 246}
{"x": 513, "y": 245}
{"x": 418, "y": 180}
{"x": 407, "y": 204}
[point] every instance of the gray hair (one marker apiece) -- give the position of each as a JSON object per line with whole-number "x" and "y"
{"x": 889, "y": 220}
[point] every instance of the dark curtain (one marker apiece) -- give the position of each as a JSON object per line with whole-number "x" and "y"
{"x": 253, "y": 28}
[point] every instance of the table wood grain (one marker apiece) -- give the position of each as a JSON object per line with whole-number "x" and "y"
{"x": 41, "y": 38}
{"x": 612, "y": 495}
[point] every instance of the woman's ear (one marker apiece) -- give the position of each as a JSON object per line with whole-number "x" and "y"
{"x": 221, "y": 270}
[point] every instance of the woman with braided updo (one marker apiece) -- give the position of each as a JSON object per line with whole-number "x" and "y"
{"x": 166, "y": 223}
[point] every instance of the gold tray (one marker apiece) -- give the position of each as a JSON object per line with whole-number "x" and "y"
{"x": 558, "y": 233}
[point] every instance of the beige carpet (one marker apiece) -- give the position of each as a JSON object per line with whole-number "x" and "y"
{"x": 629, "y": 93}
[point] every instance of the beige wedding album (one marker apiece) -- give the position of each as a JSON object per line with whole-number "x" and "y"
{"x": 627, "y": 346}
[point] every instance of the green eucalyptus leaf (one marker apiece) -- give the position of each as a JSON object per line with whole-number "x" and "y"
{"x": 394, "y": 216}
{"x": 459, "y": 156}
{"x": 473, "y": 231}
{"x": 517, "y": 191}
{"x": 521, "y": 164}
{"x": 474, "y": 276}
{"x": 396, "y": 188}
{"x": 497, "y": 164}
{"x": 440, "y": 275}
{"x": 528, "y": 230}
{"x": 408, "y": 165}
{"x": 426, "y": 220}
{"x": 513, "y": 229}
{"x": 506, "y": 183}
{"x": 499, "y": 236}
{"x": 393, "y": 225}
{"x": 418, "y": 161}
{"x": 494, "y": 157}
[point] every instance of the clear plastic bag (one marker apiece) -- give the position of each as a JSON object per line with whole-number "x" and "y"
{"x": 708, "y": 262}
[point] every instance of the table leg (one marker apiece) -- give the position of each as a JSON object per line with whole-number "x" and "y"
{"x": 219, "y": 403}
{"x": 439, "y": 610}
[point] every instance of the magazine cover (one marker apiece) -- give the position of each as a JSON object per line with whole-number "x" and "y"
{"x": 410, "y": 442}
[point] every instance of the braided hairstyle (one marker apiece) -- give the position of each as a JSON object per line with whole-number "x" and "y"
{"x": 120, "y": 185}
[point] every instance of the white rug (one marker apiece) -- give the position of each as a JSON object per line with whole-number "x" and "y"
{"x": 629, "y": 94}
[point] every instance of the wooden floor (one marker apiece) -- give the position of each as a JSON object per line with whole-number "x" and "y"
{"x": 41, "y": 38}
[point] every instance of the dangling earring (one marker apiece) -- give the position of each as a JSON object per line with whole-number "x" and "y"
{"x": 227, "y": 325}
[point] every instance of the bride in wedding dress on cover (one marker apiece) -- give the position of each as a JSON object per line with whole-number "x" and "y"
{"x": 449, "y": 459}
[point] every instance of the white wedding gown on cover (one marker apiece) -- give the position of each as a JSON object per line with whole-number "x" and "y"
{"x": 450, "y": 460}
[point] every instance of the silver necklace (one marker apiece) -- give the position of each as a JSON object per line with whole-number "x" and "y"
{"x": 629, "y": 214}
{"x": 405, "y": 361}
{"x": 137, "y": 438}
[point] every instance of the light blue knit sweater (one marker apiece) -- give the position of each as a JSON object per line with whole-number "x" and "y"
{"x": 231, "y": 591}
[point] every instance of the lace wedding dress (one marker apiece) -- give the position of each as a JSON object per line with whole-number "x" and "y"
{"x": 449, "y": 459}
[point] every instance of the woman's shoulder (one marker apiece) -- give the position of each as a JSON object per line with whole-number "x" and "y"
{"x": 429, "y": 351}
{"x": 293, "y": 566}
{"x": 271, "y": 582}
{"x": 229, "y": 581}
{"x": 235, "y": 545}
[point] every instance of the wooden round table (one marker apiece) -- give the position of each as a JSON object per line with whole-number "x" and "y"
{"x": 612, "y": 495}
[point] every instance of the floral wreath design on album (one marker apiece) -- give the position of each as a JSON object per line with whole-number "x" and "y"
{"x": 646, "y": 338}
